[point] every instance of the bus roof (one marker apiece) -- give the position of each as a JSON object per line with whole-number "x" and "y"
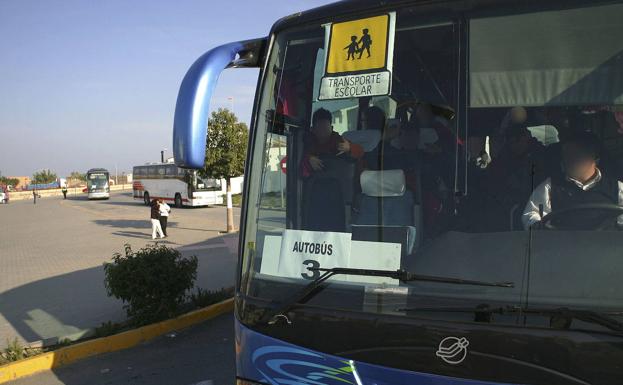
{"x": 346, "y": 8}
{"x": 93, "y": 170}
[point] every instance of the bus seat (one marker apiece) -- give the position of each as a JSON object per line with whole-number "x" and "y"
{"x": 367, "y": 139}
{"x": 386, "y": 210}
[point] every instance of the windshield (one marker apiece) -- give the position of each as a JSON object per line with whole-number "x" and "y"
{"x": 510, "y": 175}
{"x": 199, "y": 183}
{"x": 97, "y": 181}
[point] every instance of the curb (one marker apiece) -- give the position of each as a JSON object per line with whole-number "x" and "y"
{"x": 124, "y": 340}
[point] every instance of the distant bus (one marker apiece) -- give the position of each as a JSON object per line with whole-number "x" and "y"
{"x": 174, "y": 184}
{"x": 98, "y": 183}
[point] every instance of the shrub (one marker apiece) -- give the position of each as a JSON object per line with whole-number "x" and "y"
{"x": 152, "y": 282}
{"x": 15, "y": 351}
{"x": 108, "y": 328}
{"x": 202, "y": 298}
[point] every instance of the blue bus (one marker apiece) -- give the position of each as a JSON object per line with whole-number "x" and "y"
{"x": 452, "y": 198}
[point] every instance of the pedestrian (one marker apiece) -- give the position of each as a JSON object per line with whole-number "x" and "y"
{"x": 64, "y": 190}
{"x": 164, "y": 216}
{"x": 34, "y": 196}
{"x": 156, "y": 229}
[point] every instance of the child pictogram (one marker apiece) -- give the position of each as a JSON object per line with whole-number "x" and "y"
{"x": 352, "y": 48}
{"x": 355, "y": 46}
{"x": 366, "y": 42}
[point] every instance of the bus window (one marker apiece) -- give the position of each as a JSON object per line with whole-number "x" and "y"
{"x": 380, "y": 169}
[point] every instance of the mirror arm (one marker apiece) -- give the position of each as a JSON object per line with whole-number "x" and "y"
{"x": 192, "y": 109}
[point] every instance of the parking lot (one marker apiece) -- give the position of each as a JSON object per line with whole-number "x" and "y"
{"x": 51, "y": 256}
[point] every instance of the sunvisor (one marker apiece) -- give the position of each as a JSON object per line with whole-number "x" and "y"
{"x": 569, "y": 57}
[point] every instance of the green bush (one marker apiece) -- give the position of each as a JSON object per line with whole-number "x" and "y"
{"x": 152, "y": 282}
{"x": 15, "y": 351}
{"x": 202, "y": 298}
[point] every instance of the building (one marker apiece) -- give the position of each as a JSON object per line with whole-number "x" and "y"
{"x": 23, "y": 181}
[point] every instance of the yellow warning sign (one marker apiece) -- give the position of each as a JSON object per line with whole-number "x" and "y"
{"x": 358, "y": 45}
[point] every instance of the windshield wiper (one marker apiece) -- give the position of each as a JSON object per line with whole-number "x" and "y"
{"x": 561, "y": 317}
{"x": 311, "y": 288}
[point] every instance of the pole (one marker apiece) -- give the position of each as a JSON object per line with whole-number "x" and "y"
{"x": 116, "y": 175}
{"x": 230, "y": 208}
{"x": 162, "y": 156}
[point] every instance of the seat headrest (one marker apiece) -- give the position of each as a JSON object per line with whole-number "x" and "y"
{"x": 367, "y": 139}
{"x": 386, "y": 183}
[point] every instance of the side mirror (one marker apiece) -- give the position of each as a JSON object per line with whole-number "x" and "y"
{"x": 193, "y": 100}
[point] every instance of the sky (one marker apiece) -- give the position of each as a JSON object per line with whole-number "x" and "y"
{"x": 93, "y": 83}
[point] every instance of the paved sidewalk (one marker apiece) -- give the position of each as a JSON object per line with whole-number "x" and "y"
{"x": 51, "y": 256}
{"x": 201, "y": 355}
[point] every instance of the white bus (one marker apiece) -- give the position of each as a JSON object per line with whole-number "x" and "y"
{"x": 98, "y": 183}
{"x": 170, "y": 183}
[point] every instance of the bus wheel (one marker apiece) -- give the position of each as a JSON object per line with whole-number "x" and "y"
{"x": 146, "y": 198}
{"x": 178, "y": 200}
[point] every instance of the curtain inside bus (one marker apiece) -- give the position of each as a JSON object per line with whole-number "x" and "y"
{"x": 565, "y": 57}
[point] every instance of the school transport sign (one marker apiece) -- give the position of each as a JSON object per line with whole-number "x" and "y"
{"x": 358, "y": 58}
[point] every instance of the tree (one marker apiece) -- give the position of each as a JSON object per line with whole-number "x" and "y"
{"x": 226, "y": 150}
{"x": 75, "y": 175}
{"x": 9, "y": 181}
{"x": 44, "y": 176}
{"x": 6, "y": 181}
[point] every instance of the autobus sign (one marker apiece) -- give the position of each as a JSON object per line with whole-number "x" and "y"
{"x": 358, "y": 58}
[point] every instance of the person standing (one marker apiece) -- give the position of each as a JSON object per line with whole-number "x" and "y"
{"x": 164, "y": 210}
{"x": 156, "y": 229}
{"x": 64, "y": 191}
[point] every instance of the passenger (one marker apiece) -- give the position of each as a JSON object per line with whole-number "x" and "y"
{"x": 323, "y": 141}
{"x": 522, "y": 155}
{"x": 397, "y": 150}
{"x": 165, "y": 211}
{"x": 513, "y": 175}
{"x": 516, "y": 117}
{"x": 583, "y": 183}
{"x": 474, "y": 208}
{"x": 156, "y": 228}
{"x": 426, "y": 122}
{"x": 373, "y": 118}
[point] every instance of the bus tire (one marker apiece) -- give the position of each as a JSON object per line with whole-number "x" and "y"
{"x": 146, "y": 198}
{"x": 178, "y": 200}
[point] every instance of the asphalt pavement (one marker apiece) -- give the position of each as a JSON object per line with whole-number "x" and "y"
{"x": 51, "y": 256}
{"x": 201, "y": 355}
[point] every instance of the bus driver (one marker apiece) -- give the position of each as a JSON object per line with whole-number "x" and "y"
{"x": 582, "y": 183}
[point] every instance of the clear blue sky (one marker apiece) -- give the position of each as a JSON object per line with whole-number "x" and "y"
{"x": 93, "y": 83}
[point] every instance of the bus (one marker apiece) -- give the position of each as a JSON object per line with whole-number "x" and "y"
{"x": 176, "y": 185}
{"x": 98, "y": 180}
{"x": 452, "y": 193}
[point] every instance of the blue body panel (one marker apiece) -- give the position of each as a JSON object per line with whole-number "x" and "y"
{"x": 192, "y": 109}
{"x": 268, "y": 360}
